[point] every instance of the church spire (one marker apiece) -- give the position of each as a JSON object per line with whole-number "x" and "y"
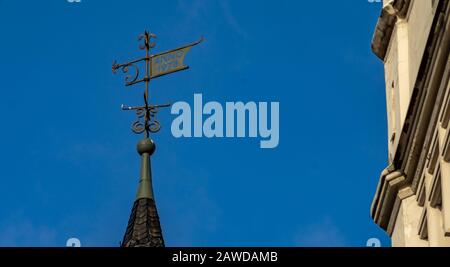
{"x": 144, "y": 229}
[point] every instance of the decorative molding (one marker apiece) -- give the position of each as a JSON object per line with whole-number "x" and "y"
{"x": 397, "y": 8}
{"x": 446, "y": 147}
{"x": 435, "y": 197}
{"x": 445, "y": 115}
{"x": 393, "y": 10}
{"x": 421, "y": 193}
{"x": 382, "y": 35}
{"x": 434, "y": 154}
{"x": 390, "y": 181}
{"x": 423, "y": 225}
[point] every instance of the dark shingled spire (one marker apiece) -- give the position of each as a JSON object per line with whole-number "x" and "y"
{"x": 144, "y": 229}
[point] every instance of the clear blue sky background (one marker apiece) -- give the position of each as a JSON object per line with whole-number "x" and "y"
{"x": 69, "y": 167}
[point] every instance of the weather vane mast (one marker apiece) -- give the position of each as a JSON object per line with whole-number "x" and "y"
{"x": 155, "y": 66}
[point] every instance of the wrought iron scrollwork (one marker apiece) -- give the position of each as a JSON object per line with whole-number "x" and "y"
{"x": 146, "y": 118}
{"x": 130, "y": 79}
{"x": 154, "y": 125}
{"x": 134, "y": 78}
{"x": 146, "y": 114}
{"x": 138, "y": 126}
{"x": 146, "y": 36}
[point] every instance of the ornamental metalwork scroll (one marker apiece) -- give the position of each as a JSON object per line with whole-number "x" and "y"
{"x": 155, "y": 66}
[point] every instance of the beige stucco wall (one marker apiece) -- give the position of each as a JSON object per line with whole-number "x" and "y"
{"x": 391, "y": 79}
{"x": 405, "y": 232}
{"x": 419, "y": 23}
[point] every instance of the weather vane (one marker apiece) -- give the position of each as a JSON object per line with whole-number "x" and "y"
{"x": 155, "y": 66}
{"x": 144, "y": 229}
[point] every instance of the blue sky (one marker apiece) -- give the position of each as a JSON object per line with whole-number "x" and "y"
{"x": 69, "y": 167}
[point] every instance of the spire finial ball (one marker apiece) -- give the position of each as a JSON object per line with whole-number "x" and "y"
{"x": 146, "y": 145}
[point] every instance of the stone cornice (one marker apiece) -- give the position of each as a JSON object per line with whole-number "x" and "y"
{"x": 393, "y": 10}
{"x": 382, "y": 205}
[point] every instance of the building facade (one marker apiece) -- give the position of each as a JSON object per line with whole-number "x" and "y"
{"x": 412, "y": 200}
